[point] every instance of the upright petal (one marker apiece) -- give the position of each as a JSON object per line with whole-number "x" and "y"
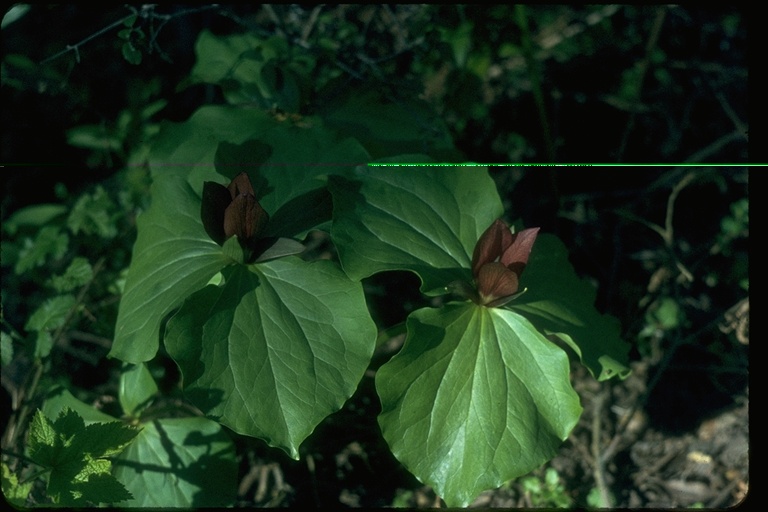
{"x": 241, "y": 185}
{"x": 245, "y": 218}
{"x": 515, "y": 255}
{"x": 492, "y": 243}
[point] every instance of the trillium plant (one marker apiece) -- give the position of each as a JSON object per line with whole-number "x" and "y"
{"x": 270, "y": 340}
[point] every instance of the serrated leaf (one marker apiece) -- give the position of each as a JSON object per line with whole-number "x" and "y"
{"x": 77, "y": 274}
{"x": 426, "y": 221}
{"x": 173, "y": 257}
{"x": 476, "y": 397}
{"x": 101, "y": 487}
{"x": 13, "y": 491}
{"x": 559, "y": 302}
{"x": 67, "y": 425}
{"x": 276, "y": 349}
{"x": 49, "y": 242}
{"x": 137, "y": 388}
{"x": 43, "y": 442}
{"x": 179, "y": 463}
{"x": 92, "y": 215}
{"x": 51, "y": 313}
{"x": 75, "y": 453}
{"x": 106, "y": 439}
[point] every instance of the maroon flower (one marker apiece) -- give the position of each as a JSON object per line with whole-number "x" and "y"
{"x": 233, "y": 210}
{"x": 498, "y": 261}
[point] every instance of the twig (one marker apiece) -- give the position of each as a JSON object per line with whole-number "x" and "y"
{"x": 76, "y": 47}
{"x": 599, "y": 463}
{"x": 716, "y": 146}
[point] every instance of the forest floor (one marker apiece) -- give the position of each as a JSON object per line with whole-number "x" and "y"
{"x": 621, "y": 453}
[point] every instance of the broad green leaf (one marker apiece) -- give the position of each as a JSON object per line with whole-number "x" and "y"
{"x": 559, "y": 302}
{"x": 287, "y": 164}
{"x": 58, "y": 399}
{"x": 137, "y": 388}
{"x": 476, "y": 397}
{"x": 426, "y": 220}
{"x": 275, "y": 349}
{"x": 172, "y": 258}
{"x": 179, "y": 463}
{"x": 389, "y": 126}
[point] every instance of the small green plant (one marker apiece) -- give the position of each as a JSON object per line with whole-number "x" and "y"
{"x": 76, "y": 458}
{"x": 549, "y": 492}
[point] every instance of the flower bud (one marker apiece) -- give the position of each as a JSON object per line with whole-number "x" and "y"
{"x": 233, "y": 210}
{"x": 498, "y": 261}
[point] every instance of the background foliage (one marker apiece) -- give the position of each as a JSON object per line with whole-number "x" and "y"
{"x": 667, "y": 246}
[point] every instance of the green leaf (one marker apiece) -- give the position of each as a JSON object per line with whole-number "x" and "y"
{"x": 13, "y": 491}
{"x": 173, "y": 257}
{"x": 131, "y": 54}
{"x": 36, "y": 215}
{"x": 387, "y": 128}
{"x": 181, "y": 463}
{"x": 426, "y": 220}
{"x": 476, "y": 397}
{"x": 77, "y": 274}
{"x": 59, "y": 399}
{"x": 93, "y": 136}
{"x": 51, "y": 314}
{"x": 276, "y": 349}
{"x": 287, "y": 164}
{"x": 559, "y": 302}
{"x": 92, "y": 215}
{"x": 100, "y": 487}
{"x": 74, "y": 453}
{"x": 137, "y": 388}
{"x": 50, "y": 241}
{"x": 106, "y": 439}
{"x": 43, "y": 444}
{"x": 246, "y": 63}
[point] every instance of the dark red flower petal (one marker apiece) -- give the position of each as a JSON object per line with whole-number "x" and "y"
{"x": 515, "y": 256}
{"x": 491, "y": 245}
{"x": 494, "y": 281}
{"x": 240, "y": 185}
{"x": 245, "y": 218}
